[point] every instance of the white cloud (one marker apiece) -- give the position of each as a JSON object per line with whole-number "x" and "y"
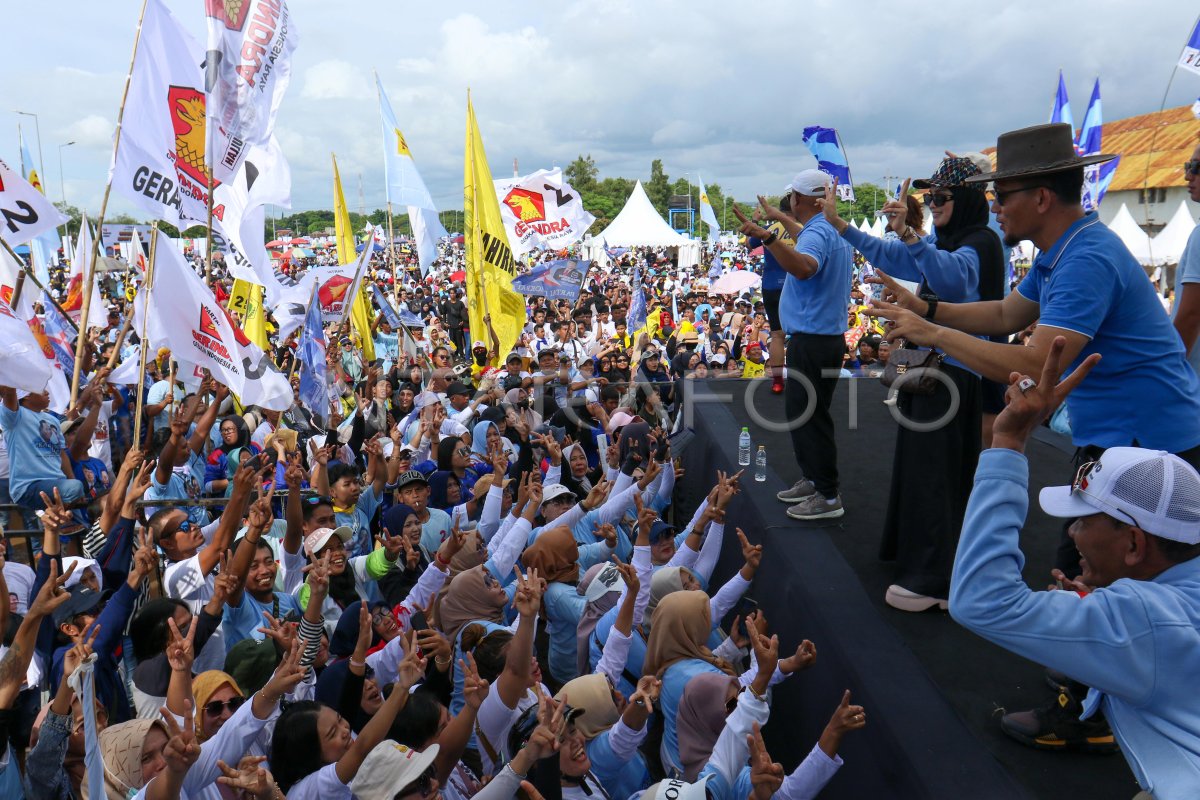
{"x": 334, "y": 79}
{"x": 93, "y": 130}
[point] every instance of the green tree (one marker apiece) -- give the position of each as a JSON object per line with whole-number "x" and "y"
{"x": 582, "y": 173}
{"x": 658, "y": 188}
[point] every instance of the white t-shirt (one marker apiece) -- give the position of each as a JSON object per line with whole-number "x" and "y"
{"x": 100, "y": 447}
{"x": 321, "y": 785}
{"x": 20, "y": 579}
{"x": 183, "y": 580}
{"x": 495, "y": 720}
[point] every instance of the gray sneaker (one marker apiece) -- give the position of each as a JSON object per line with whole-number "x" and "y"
{"x": 815, "y": 506}
{"x": 802, "y": 489}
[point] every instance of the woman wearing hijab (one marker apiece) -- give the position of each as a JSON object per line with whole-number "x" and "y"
{"x": 235, "y": 436}
{"x": 518, "y": 399}
{"x": 933, "y": 470}
{"x": 132, "y": 755}
{"x": 675, "y": 653}
{"x": 456, "y": 456}
{"x": 577, "y": 475}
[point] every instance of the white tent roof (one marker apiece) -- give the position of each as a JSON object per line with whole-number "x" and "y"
{"x": 639, "y": 224}
{"x": 1124, "y": 226}
{"x": 877, "y": 228}
{"x": 863, "y": 226}
{"x": 1168, "y": 246}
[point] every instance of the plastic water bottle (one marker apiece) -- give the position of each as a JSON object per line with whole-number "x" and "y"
{"x": 744, "y": 448}
{"x": 760, "y": 463}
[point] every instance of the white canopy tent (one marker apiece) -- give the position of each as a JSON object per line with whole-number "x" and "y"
{"x": 877, "y": 229}
{"x": 1167, "y": 246}
{"x": 639, "y": 225}
{"x": 1124, "y": 226}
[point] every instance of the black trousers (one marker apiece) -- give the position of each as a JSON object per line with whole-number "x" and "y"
{"x": 1066, "y": 557}
{"x": 817, "y": 358}
{"x": 459, "y": 340}
{"x": 932, "y": 475}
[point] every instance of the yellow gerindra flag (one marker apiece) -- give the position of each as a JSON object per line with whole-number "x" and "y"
{"x": 360, "y": 312}
{"x": 490, "y": 266}
{"x": 247, "y": 299}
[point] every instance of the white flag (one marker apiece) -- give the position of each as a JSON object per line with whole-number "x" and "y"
{"x": 77, "y": 281}
{"x": 186, "y": 317}
{"x": 10, "y": 273}
{"x": 249, "y": 64}
{"x": 541, "y": 210}
{"x": 22, "y": 362}
{"x": 159, "y": 165}
{"x": 333, "y": 289}
{"x": 707, "y": 214}
{"x": 25, "y": 213}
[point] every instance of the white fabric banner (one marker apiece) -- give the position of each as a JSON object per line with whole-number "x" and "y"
{"x": 249, "y": 61}
{"x": 10, "y": 273}
{"x": 25, "y": 213}
{"x": 22, "y": 362}
{"x": 541, "y": 210}
{"x": 333, "y": 289}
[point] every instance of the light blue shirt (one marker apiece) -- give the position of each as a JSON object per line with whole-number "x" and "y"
{"x": 243, "y": 621}
{"x": 1136, "y": 643}
{"x": 183, "y": 484}
{"x": 817, "y": 305}
{"x": 359, "y": 521}
{"x": 1143, "y": 391}
{"x": 35, "y": 443}
{"x": 1187, "y": 272}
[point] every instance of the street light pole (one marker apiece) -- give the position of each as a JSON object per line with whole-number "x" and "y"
{"x": 724, "y": 213}
{"x": 62, "y": 181}
{"x": 37, "y": 129}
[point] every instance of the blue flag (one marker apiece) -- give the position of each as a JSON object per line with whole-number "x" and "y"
{"x": 314, "y": 382}
{"x": 60, "y": 333}
{"x": 1062, "y": 105}
{"x": 1098, "y": 176}
{"x": 554, "y": 280}
{"x": 393, "y": 317}
{"x": 827, "y": 148}
{"x": 1190, "y": 57}
{"x": 635, "y": 320}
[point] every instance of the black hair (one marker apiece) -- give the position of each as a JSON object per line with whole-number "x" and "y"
{"x": 156, "y": 522}
{"x": 150, "y": 628}
{"x": 158, "y": 441}
{"x": 296, "y": 744}
{"x": 610, "y": 393}
{"x": 311, "y": 504}
{"x": 339, "y": 471}
{"x": 1067, "y": 185}
{"x": 417, "y": 723}
{"x": 488, "y": 649}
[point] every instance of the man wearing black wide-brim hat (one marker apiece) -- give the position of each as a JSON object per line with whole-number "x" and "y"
{"x": 1086, "y": 287}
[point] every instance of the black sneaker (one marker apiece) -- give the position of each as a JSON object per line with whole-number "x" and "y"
{"x": 1057, "y": 726}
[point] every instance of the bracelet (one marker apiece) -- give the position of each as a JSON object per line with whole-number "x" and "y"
{"x": 441, "y": 561}
{"x": 770, "y": 240}
{"x": 437, "y": 661}
{"x": 355, "y": 663}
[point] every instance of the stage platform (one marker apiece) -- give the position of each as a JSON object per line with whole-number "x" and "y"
{"x": 933, "y": 691}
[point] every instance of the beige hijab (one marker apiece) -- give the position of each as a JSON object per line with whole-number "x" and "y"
{"x": 468, "y": 598}
{"x": 121, "y": 747}
{"x": 680, "y": 627}
{"x": 555, "y": 553}
{"x": 593, "y": 695}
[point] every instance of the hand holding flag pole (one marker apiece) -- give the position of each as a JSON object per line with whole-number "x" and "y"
{"x": 143, "y": 345}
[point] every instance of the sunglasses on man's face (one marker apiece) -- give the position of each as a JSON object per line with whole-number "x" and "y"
{"x": 1191, "y": 167}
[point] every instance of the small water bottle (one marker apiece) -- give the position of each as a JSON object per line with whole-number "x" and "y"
{"x": 760, "y": 463}
{"x": 744, "y": 448}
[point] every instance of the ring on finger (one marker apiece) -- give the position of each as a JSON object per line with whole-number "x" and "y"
{"x": 1025, "y": 384}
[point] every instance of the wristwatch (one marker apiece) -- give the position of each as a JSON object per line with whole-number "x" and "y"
{"x": 770, "y": 240}
{"x": 932, "y": 300}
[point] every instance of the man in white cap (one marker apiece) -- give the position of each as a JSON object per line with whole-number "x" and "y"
{"x": 1129, "y": 628}
{"x": 812, "y": 310}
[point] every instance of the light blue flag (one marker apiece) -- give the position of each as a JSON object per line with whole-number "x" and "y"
{"x": 554, "y": 280}
{"x": 405, "y": 187}
{"x": 1062, "y": 105}
{"x": 635, "y": 320}
{"x": 707, "y": 214}
{"x": 44, "y": 247}
{"x": 1098, "y": 176}
{"x": 827, "y": 148}
{"x": 314, "y": 382}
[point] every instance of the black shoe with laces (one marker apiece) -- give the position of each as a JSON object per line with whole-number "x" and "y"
{"x": 1057, "y": 726}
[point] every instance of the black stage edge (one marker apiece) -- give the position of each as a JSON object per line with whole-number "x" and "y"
{"x": 933, "y": 692}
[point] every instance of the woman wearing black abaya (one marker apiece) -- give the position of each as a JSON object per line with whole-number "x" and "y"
{"x": 938, "y": 443}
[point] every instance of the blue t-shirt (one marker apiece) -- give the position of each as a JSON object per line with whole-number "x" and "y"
{"x": 155, "y": 396}
{"x": 773, "y": 275}
{"x": 35, "y": 444}
{"x": 1143, "y": 391}
{"x": 183, "y": 484}
{"x": 243, "y": 621}
{"x": 358, "y": 520}
{"x": 1187, "y": 272}
{"x": 818, "y": 305}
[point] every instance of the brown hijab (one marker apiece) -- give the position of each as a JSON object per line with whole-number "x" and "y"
{"x": 593, "y": 695}
{"x": 701, "y": 719}
{"x": 469, "y": 598}
{"x": 680, "y": 627}
{"x": 121, "y": 748}
{"x": 555, "y": 554}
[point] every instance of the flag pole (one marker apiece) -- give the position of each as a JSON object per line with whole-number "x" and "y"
{"x": 142, "y": 344}
{"x": 90, "y": 273}
{"x": 125, "y": 326}
{"x": 392, "y": 256}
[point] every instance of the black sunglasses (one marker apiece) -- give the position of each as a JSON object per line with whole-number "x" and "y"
{"x": 421, "y": 786}
{"x": 938, "y": 200}
{"x": 214, "y": 707}
{"x": 1191, "y": 167}
{"x": 1002, "y": 197}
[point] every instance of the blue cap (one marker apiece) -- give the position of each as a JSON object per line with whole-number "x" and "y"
{"x": 660, "y": 530}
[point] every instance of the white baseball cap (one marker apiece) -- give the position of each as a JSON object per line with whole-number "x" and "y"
{"x": 1151, "y": 489}
{"x": 553, "y": 491}
{"x": 318, "y": 538}
{"x": 810, "y": 183}
{"x": 388, "y": 768}
{"x": 602, "y": 581}
{"x": 675, "y": 789}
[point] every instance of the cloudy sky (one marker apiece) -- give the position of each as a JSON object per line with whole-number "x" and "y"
{"x": 722, "y": 89}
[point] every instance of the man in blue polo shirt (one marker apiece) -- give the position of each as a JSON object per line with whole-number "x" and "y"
{"x": 812, "y": 310}
{"x": 1085, "y": 287}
